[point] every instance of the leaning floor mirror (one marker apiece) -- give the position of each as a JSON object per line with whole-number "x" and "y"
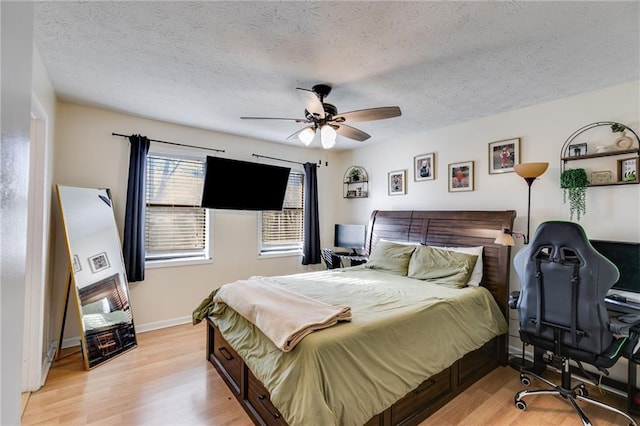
{"x": 98, "y": 280}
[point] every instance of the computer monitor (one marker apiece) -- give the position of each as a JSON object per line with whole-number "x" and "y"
{"x": 349, "y": 237}
{"x": 626, "y": 256}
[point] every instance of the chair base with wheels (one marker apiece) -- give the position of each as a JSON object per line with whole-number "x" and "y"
{"x": 569, "y": 393}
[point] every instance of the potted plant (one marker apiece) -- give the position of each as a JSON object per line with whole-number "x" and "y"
{"x": 617, "y": 127}
{"x": 355, "y": 174}
{"x": 574, "y": 183}
{"x": 624, "y": 141}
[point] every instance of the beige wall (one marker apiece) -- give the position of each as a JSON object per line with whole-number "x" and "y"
{"x": 612, "y": 211}
{"x": 88, "y": 155}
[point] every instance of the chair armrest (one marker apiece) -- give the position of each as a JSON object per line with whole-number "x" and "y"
{"x": 513, "y": 299}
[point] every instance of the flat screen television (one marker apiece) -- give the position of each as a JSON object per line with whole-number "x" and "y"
{"x": 626, "y": 256}
{"x": 349, "y": 237}
{"x": 243, "y": 185}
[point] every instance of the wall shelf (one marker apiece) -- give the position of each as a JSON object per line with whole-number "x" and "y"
{"x": 355, "y": 183}
{"x": 567, "y": 147}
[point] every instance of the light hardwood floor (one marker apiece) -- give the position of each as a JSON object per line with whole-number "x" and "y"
{"x": 167, "y": 381}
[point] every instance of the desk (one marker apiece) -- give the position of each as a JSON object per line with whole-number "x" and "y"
{"x": 616, "y": 309}
{"x": 336, "y": 259}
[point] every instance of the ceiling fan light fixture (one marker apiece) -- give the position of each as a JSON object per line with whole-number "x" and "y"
{"x": 306, "y": 136}
{"x": 328, "y": 136}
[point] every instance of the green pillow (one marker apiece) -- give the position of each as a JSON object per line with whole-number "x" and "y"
{"x": 390, "y": 257}
{"x": 444, "y": 267}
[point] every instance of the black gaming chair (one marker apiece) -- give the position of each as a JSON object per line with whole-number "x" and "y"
{"x": 561, "y": 308}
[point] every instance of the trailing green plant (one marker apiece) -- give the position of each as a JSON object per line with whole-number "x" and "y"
{"x": 574, "y": 184}
{"x": 617, "y": 127}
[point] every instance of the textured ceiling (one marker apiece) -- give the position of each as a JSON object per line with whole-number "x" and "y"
{"x": 205, "y": 64}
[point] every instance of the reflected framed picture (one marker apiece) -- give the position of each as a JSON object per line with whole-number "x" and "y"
{"x": 503, "y": 155}
{"x": 424, "y": 167}
{"x": 398, "y": 182}
{"x": 99, "y": 262}
{"x": 461, "y": 176}
{"x": 75, "y": 262}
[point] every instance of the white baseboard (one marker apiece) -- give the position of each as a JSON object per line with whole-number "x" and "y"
{"x": 143, "y": 328}
{"x": 140, "y": 328}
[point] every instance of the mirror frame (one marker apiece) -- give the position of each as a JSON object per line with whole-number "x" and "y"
{"x": 109, "y": 290}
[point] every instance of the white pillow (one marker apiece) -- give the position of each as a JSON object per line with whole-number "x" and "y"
{"x": 476, "y": 275}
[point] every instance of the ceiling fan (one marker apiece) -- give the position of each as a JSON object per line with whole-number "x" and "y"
{"x": 324, "y": 118}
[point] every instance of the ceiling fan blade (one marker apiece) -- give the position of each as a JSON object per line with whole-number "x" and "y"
{"x": 297, "y": 120}
{"x": 368, "y": 114}
{"x": 351, "y": 132}
{"x": 311, "y": 102}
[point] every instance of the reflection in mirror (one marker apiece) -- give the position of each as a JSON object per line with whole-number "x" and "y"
{"x": 99, "y": 279}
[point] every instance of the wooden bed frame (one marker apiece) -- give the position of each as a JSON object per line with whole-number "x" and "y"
{"x": 438, "y": 228}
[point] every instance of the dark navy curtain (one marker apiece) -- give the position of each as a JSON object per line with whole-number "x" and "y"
{"x": 133, "y": 244}
{"x": 311, "y": 245}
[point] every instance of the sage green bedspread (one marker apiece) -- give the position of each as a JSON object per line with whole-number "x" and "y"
{"x": 403, "y": 331}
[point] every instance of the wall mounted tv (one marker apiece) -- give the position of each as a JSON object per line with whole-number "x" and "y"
{"x": 626, "y": 256}
{"x": 349, "y": 236}
{"x": 243, "y": 185}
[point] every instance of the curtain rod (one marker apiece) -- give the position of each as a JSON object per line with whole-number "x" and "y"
{"x": 286, "y": 161}
{"x": 172, "y": 143}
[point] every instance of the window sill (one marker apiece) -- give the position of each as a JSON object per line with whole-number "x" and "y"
{"x": 283, "y": 253}
{"x": 171, "y": 263}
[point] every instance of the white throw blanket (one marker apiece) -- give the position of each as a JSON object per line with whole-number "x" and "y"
{"x": 284, "y": 316}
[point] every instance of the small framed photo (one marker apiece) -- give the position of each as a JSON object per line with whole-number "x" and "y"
{"x": 628, "y": 169}
{"x": 577, "y": 149}
{"x": 99, "y": 262}
{"x": 398, "y": 182}
{"x": 424, "y": 167}
{"x": 461, "y": 176}
{"x": 503, "y": 155}
{"x": 75, "y": 262}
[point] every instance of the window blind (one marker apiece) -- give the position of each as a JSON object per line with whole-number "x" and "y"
{"x": 283, "y": 230}
{"x": 176, "y": 225}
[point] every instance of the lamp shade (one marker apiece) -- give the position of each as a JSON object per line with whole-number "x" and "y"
{"x": 306, "y": 136}
{"x": 505, "y": 239}
{"x": 530, "y": 170}
{"x": 328, "y": 136}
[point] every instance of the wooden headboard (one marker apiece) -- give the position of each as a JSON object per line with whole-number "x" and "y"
{"x": 455, "y": 229}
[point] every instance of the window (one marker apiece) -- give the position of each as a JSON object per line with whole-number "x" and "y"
{"x": 282, "y": 231}
{"x": 176, "y": 228}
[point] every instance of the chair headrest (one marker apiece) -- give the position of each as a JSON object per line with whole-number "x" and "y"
{"x": 566, "y": 242}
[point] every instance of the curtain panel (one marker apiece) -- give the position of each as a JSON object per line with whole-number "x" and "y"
{"x": 311, "y": 245}
{"x": 133, "y": 244}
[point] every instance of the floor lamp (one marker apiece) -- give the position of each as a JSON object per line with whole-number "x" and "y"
{"x": 529, "y": 172}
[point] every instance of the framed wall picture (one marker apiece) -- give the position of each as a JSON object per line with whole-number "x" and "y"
{"x": 503, "y": 155}
{"x": 75, "y": 261}
{"x": 398, "y": 182}
{"x": 628, "y": 169}
{"x": 577, "y": 149}
{"x": 99, "y": 262}
{"x": 424, "y": 167}
{"x": 461, "y": 176}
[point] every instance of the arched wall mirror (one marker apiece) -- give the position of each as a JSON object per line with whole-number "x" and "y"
{"x": 99, "y": 282}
